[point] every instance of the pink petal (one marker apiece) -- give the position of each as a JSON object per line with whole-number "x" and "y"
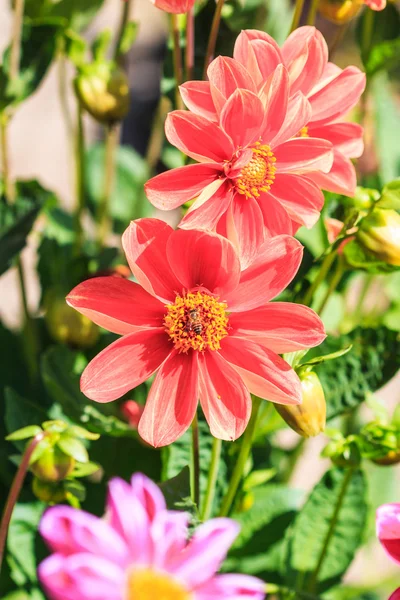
{"x": 260, "y": 57}
{"x": 223, "y": 396}
{"x": 148, "y": 494}
{"x": 119, "y": 305}
{"x": 169, "y": 532}
{"x": 265, "y": 373}
{"x": 300, "y": 196}
{"x": 172, "y": 401}
{"x": 275, "y": 266}
{"x": 244, "y": 228}
{"x": 232, "y": 587}
{"x": 267, "y": 55}
{"x": 276, "y": 218}
{"x": 205, "y": 552}
{"x": 81, "y": 576}
{"x": 376, "y": 4}
{"x": 388, "y": 529}
{"x": 275, "y": 95}
{"x": 242, "y": 117}
{"x": 177, "y": 186}
{"x": 125, "y": 364}
{"x": 204, "y": 259}
{"x": 341, "y": 179}
{"x": 395, "y": 595}
{"x": 280, "y": 326}
{"x": 198, "y": 137}
{"x": 347, "y": 138}
{"x": 174, "y": 6}
{"x": 297, "y": 116}
{"x": 144, "y": 243}
{"x": 305, "y": 53}
{"x": 347, "y": 86}
{"x": 227, "y": 74}
{"x": 197, "y": 97}
{"x": 208, "y": 208}
{"x": 68, "y": 531}
{"x": 303, "y": 155}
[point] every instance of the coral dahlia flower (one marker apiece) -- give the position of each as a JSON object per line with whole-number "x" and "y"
{"x": 139, "y": 551}
{"x": 376, "y": 4}
{"x": 332, "y": 92}
{"x": 252, "y": 177}
{"x": 205, "y": 327}
{"x": 388, "y": 532}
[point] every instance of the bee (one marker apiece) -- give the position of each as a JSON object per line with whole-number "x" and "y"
{"x": 194, "y": 323}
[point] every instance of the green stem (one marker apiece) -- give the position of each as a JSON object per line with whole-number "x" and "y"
{"x": 177, "y": 59}
{"x": 212, "y": 40}
{"x": 368, "y": 279}
{"x": 312, "y": 13}
{"x": 244, "y": 453}
{"x": 15, "y": 491}
{"x": 79, "y": 179}
{"x": 367, "y": 32}
{"x": 16, "y": 38}
{"x": 212, "y": 479}
{"x": 195, "y": 475}
{"x": 104, "y": 217}
{"x": 189, "y": 53}
{"x": 324, "y": 270}
{"x": 297, "y": 14}
{"x": 337, "y": 276}
{"x": 314, "y": 578}
{"x": 126, "y": 9}
{"x": 63, "y": 92}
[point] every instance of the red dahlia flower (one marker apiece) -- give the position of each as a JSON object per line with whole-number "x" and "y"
{"x": 332, "y": 92}
{"x": 206, "y": 328}
{"x": 252, "y": 177}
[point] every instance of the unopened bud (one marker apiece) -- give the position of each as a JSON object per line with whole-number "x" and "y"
{"x": 379, "y": 233}
{"x": 339, "y": 11}
{"x": 53, "y": 465}
{"x": 308, "y": 418}
{"x": 391, "y": 458}
{"x": 132, "y": 412}
{"x": 51, "y": 493}
{"x": 103, "y": 91}
{"x": 67, "y": 326}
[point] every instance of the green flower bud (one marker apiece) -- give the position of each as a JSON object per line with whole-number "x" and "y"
{"x": 51, "y": 493}
{"x": 308, "y": 418}
{"x": 103, "y": 91}
{"x": 53, "y": 465}
{"x": 379, "y": 233}
{"x": 339, "y": 11}
{"x": 66, "y": 325}
{"x": 391, "y": 458}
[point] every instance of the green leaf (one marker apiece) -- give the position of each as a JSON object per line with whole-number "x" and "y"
{"x": 384, "y": 56}
{"x": 176, "y": 491}
{"x": 129, "y": 36}
{"x": 106, "y": 424}
{"x": 327, "y": 532}
{"x": 390, "y": 197}
{"x": 73, "y": 447}
{"x": 386, "y": 119}
{"x": 75, "y": 13}
{"x": 359, "y": 258}
{"x": 323, "y": 358}
{"x": 82, "y": 433}
{"x": 61, "y": 370}
{"x": 100, "y": 45}
{"x": 85, "y": 469}
{"x": 23, "y": 434}
{"x": 74, "y": 47}
{"x": 20, "y": 412}
{"x": 257, "y": 478}
{"x": 75, "y": 488}
{"x": 372, "y": 362}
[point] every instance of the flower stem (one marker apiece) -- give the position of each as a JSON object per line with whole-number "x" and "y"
{"x": 337, "y": 276}
{"x": 104, "y": 217}
{"x": 9, "y": 187}
{"x": 297, "y": 14}
{"x": 312, "y": 13}
{"x": 244, "y": 453}
{"x": 79, "y": 179}
{"x": 212, "y": 479}
{"x": 177, "y": 59}
{"x": 324, "y": 270}
{"x": 189, "y": 53}
{"x": 15, "y": 491}
{"x": 367, "y": 32}
{"x": 63, "y": 93}
{"x": 126, "y": 9}
{"x": 195, "y": 475}
{"x": 212, "y": 40}
{"x": 16, "y": 38}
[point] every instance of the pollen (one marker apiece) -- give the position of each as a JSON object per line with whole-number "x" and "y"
{"x": 303, "y": 132}
{"x": 146, "y": 584}
{"x": 196, "y": 321}
{"x": 259, "y": 173}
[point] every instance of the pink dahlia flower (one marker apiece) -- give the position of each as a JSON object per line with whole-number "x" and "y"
{"x": 140, "y": 550}
{"x": 332, "y": 92}
{"x": 251, "y": 179}
{"x": 207, "y": 328}
{"x": 388, "y": 532}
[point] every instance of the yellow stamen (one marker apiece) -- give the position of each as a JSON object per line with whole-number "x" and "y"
{"x": 303, "y": 132}
{"x": 196, "y": 321}
{"x": 259, "y": 173}
{"x": 145, "y": 584}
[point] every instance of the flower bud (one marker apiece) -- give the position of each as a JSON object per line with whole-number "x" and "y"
{"x": 132, "y": 412}
{"x": 379, "y": 233}
{"x": 103, "y": 91}
{"x": 391, "y": 458}
{"x": 53, "y": 465}
{"x": 308, "y": 418}
{"x": 51, "y": 493}
{"x": 339, "y": 11}
{"x": 66, "y": 325}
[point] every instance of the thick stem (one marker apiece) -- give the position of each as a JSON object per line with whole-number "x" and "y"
{"x": 15, "y": 491}
{"x": 79, "y": 179}
{"x": 177, "y": 59}
{"x": 324, "y": 270}
{"x": 312, "y": 13}
{"x": 367, "y": 32}
{"x": 212, "y": 479}
{"x": 297, "y": 14}
{"x": 16, "y": 38}
{"x": 244, "y": 453}
{"x": 189, "y": 53}
{"x": 104, "y": 217}
{"x": 337, "y": 276}
{"x": 212, "y": 40}
{"x": 126, "y": 9}
{"x": 195, "y": 475}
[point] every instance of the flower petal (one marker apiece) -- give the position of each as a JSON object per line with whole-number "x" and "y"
{"x": 169, "y": 532}
{"x": 259, "y": 56}
{"x": 177, "y": 186}
{"x": 275, "y": 96}
{"x": 276, "y": 218}
{"x": 388, "y": 529}
{"x": 119, "y": 305}
{"x": 197, "y": 97}
{"x": 300, "y": 196}
{"x": 208, "y": 208}
{"x": 341, "y": 179}
{"x": 124, "y": 364}
{"x": 265, "y": 373}
{"x": 198, "y": 137}
{"x": 280, "y": 326}
{"x": 148, "y": 494}
{"x": 297, "y": 116}
{"x": 204, "y": 259}
{"x": 276, "y": 264}
{"x": 347, "y": 138}
{"x": 227, "y": 75}
{"x": 172, "y": 401}
{"x": 303, "y": 155}
{"x": 144, "y": 243}
{"x": 223, "y": 397}
{"x": 305, "y": 53}
{"x": 232, "y": 586}
{"x": 244, "y": 228}
{"x": 242, "y": 117}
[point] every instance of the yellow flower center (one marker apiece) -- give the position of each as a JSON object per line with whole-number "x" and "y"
{"x": 259, "y": 173}
{"x": 196, "y": 321}
{"x": 146, "y": 584}
{"x": 303, "y": 132}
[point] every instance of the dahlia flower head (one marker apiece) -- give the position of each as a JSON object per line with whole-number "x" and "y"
{"x": 138, "y": 550}
{"x": 267, "y": 133}
{"x": 388, "y": 532}
{"x": 203, "y": 325}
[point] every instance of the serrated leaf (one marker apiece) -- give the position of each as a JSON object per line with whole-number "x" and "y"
{"x": 327, "y": 532}
{"x": 23, "y": 434}
{"x": 73, "y": 447}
